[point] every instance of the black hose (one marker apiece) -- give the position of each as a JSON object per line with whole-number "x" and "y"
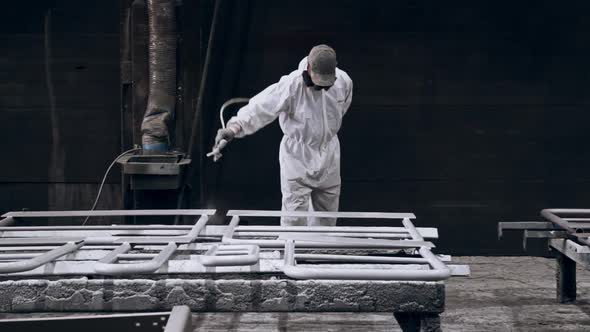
{"x": 204, "y": 76}
{"x": 199, "y": 108}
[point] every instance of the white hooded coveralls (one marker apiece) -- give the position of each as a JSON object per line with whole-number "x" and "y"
{"x": 310, "y": 151}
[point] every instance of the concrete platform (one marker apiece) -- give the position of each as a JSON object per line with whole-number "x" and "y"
{"x": 503, "y": 294}
{"x": 71, "y": 295}
{"x": 411, "y": 302}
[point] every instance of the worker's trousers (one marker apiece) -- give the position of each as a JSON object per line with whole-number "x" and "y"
{"x": 297, "y": 196}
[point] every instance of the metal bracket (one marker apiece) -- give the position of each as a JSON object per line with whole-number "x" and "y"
{"x": 521, "y": 225}
{"x": 536, "y": 234}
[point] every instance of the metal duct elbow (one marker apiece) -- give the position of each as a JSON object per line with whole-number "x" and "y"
{"x": 162, "y": 72}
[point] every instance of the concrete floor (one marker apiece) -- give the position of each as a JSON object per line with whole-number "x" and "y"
{"x": 502, "y": 294}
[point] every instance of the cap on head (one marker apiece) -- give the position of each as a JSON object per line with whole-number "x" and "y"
{"x": 322, "y": 65}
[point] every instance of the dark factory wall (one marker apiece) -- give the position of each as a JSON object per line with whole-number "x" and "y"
{"x": 464, "y": 112}
{"x": 59, "y": 103}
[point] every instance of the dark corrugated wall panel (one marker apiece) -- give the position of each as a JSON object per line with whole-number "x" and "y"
{"x": 466, "y": 113}
{"x": 42, "y": 169}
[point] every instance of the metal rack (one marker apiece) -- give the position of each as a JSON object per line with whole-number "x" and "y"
{"x": 397, "y": 252}
{"x": 397, "y": 238}
{"x": 566, "y": 232}
{"x": 26, "y": 248}
{"x": 438, "y": 270}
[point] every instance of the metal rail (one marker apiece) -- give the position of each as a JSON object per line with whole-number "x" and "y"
{"x": 108, "y": 213}
{"x": 209, "y": 231}
{"x": 39, "y": 260}
{"x": 320, "y": 214}
{"x": 352, "y": 242}
{"x": 178, "y": 320}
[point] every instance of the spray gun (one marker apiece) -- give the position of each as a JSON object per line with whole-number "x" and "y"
{"x": 216, "y": 152}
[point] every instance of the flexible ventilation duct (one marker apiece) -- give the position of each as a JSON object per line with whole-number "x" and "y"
{"x": 162, "y": 72}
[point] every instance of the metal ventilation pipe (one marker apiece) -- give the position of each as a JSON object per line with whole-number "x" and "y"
{"x": 162, "y": 72}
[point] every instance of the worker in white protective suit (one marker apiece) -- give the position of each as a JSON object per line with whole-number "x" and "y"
{"x": 310, "y": 103}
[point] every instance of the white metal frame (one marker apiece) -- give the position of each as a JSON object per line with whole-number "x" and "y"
{"x": 202, "y": 248}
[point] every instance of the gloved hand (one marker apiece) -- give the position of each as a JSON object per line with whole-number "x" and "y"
{"x": 223, "y": 137}
{"x": 226, "y": 134}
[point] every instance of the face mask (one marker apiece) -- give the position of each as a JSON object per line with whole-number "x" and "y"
{"x": 309, "y": 83}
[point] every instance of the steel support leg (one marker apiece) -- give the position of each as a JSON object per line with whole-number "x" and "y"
{"x": 430, "y": 323}
{"x": 566, "y": 279}
{"x": 418, "y": 322}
